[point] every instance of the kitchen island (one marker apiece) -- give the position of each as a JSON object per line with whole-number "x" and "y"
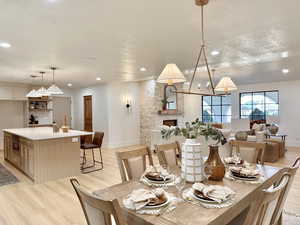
{"x": 42, "y": 154}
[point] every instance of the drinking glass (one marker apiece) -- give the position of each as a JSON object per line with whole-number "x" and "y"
{"x": 180, "y": 184}
{"x": 165, "y": 174}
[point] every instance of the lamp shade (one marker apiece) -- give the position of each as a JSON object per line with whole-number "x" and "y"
{"x": 42, "y": 92}
{"x": 32, "y": 94}
{"x": 54, "y": 90}
{"x": 226, "y": 85}
{"x": 171, "y": 75}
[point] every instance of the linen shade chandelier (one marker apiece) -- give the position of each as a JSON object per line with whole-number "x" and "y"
{"x": 171, "y": 73}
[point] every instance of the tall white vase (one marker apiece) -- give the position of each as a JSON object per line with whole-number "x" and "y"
{"x": 192, "y": 165}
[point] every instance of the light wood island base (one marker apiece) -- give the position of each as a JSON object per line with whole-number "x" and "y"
{"x": 43, "y": 159}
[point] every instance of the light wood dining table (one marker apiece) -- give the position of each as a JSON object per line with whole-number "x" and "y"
{"x": 245, "y": 202}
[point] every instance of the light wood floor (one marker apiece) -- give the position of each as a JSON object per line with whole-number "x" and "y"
{"x": 55, "y": 202}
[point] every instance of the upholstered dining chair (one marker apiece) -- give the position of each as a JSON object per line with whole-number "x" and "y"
{"x": 133, "y": 162}
{"x": 96, "y": 144}
{"x": 167, "y": 153}
{"x": 96, "y": 210}
{"x": 251, "y": 151}
{"x": 269, "y": 200}
{"x": 277, "y": 216}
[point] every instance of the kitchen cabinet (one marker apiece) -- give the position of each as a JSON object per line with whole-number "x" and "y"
{"x": 19, "y": 152}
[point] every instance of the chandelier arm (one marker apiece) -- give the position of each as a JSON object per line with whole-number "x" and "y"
{"x": 195, "y": 69}
{"x": 209, "y": 74}
{"x": 199, "y": 93}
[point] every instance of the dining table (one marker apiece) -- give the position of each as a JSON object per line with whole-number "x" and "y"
{"x": 246, "y": 200}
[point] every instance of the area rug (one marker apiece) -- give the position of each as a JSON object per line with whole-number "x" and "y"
{"x": 6, "y": 177}
{"x": 290, "y": 219}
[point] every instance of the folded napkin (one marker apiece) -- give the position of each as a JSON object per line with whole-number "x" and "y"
{"x": 247, "y": 170}
{"x": 215, "y": 192}
{"x": 158, "y": 169}
{"x": 139, "y": 198}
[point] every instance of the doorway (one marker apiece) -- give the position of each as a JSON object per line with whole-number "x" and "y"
{"x": 88, "y": 113}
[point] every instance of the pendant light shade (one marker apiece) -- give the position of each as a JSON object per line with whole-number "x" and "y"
{"x": 32, "y": 94}
{"x": 42, "y": 91}
{"x": 171, "y": 75}
{"x": 53, "y": 89}
{"x": 226, "y": 85}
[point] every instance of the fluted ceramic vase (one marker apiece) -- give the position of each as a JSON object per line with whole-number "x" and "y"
{"x": 214, "y": 168}
{"x": 192, "y": 165}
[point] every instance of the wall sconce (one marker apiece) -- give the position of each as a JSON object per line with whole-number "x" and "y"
{"x": 128, "y": 104}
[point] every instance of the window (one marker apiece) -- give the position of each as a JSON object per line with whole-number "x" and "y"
{"x": 216, "y": 109}
{"x": 259, "y": 105}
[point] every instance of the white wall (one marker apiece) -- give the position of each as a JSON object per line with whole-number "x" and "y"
{"x": 100, "y": 114}
{"x": 110, "y": 115}
{"x": 124, "y": 124}
{"x": 289, "y": 107}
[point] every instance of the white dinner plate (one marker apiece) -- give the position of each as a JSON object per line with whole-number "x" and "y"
{"x": 158, "y": 182}
{"x": 205, "y": 200}
{"x": 244, "y": 178}
{"x": 158, "y": 206}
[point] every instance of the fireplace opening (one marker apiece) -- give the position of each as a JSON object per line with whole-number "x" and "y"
{"x": 170, "y": 123}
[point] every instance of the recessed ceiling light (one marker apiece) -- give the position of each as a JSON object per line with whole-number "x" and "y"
{"x": 98, "y": 78}
{"x": 5, "y": 45}
{"x": 186, "y": 71}
{"x": 199, "y": 86}
{"x": 207, "y": 84}
{"x": 215, "y": 52}
{"x": 285, "y": 71}
{"x": 70, "y": 85}
{"x": 284, "y": 54}
{"x": 143, "y": 69}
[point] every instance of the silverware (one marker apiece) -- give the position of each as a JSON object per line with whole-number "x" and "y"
{"x": 168, "y": 208}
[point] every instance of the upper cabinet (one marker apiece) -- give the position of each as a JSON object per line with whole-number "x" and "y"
{"x": 13, "y": 93}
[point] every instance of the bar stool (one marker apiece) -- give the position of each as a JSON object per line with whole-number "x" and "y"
{"x": 96, "y": 144}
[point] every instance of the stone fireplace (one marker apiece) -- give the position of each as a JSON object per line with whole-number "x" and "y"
{"x": 170, "y": 123}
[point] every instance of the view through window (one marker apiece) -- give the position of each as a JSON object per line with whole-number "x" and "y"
{"x": 259, "y": 105}
{"x": 216, "y": 109}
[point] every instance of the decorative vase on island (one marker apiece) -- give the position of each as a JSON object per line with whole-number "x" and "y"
{"x": 192, "y": 167}
{"x": 214, "y": 168}
{"x": 273, "y": 129}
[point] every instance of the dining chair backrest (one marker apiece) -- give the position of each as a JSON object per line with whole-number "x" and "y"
{"x": 96, "y": 210}
{"x": 133, "y": 162}
{"x": 98, "y": 138}
{"x": 250, "y": 151}
{"x": 167, "y": 153}
{"x": 270, "y": 198}
{"x": 282, "y": 199}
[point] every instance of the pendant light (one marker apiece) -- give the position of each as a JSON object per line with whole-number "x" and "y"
{"x": 42, "y": 91}
{"x": 33, "y": 92}
{"x": 202, "y": 54}
{"x": 171, "y": 75}
{"x": 53, "y": 89}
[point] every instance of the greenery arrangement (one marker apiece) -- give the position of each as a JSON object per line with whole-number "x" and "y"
{"x": 193, "y": 130}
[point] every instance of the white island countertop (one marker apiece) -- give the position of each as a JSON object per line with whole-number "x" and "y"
{"x": 44, "y": 133}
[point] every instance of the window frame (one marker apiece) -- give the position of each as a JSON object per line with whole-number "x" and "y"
{"x": 264, "y": 104}
{"x": 221, "y": 106}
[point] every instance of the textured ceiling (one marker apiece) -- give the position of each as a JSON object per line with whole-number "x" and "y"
{"x": 114, "y": 39}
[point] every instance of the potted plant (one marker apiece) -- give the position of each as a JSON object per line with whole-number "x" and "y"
{"x": 213, "y": 167}
{"x": 164, "y": 104}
